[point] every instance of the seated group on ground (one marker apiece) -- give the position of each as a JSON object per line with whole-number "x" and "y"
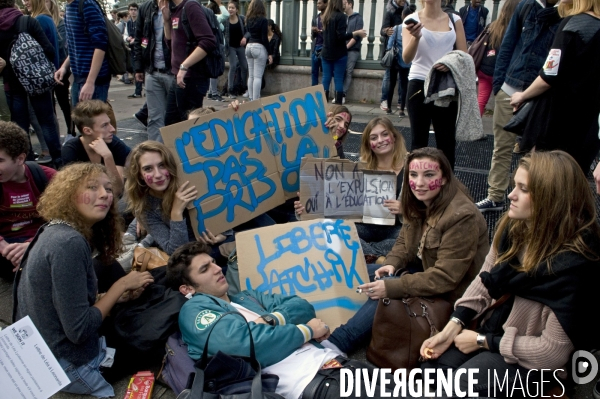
{"x": 62, "y": 231}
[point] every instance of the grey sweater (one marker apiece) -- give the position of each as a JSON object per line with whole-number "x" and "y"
{"x": 169, "y": 235}
{"x": 57, "y": 288}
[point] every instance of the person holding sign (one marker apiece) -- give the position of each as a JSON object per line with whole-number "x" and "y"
{"x": 536, "y": 284}
{"x": 58, "y": 283}
{"x": 441, "y": 247}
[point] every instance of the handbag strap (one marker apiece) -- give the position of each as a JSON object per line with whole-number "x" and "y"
{"x": 204, "y": 358}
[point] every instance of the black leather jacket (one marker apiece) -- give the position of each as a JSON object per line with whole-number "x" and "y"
{"x": 144, "y": 56}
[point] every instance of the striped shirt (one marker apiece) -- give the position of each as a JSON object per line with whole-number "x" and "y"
{"x": 81, "y": 44}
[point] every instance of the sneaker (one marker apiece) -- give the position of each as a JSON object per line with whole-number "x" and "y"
{"x": 333, "y": 101}
{"x": 217, "y": 97}
{"x": 44, "y": 159}
{"x": 246, "y": 94}
{"x": 487, "y": 205}
{"x": 209, "y": 96}
{"x": 383, "y": 106}
{"x": 141, "y": 119}
{"x": 398, "y": 107}
{"x": 232, "y": 96}
{"x": 388, "y": 112}
{"x": 596, "y": 391}
{"x": 401, "y": 114}
{"x": 344, "y": 99}
{"x": 134, "y": 95}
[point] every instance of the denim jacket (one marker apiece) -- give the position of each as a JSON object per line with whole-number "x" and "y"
{"x": 397, "y": 35}
{"x": 525, "y": 45}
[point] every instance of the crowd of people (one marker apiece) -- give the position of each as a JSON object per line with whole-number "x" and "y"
{"x": 519, "y": 304}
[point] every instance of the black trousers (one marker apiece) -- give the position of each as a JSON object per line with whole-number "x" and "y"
{"x": 421, "y": 116}
{"x": 396, "y": 70}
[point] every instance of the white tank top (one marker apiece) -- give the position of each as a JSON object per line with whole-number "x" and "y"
{"x": 432, "y": 46}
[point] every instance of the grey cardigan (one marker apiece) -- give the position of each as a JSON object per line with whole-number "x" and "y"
{"x": 57, "y": 288}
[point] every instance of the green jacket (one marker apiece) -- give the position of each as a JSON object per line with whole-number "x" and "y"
{"x": 272, "y": 343}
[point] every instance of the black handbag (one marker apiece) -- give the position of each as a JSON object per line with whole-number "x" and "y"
{"x": 230, "y": 377}
{"x": 519, "y": 119}
{"x": 391, "y": 55}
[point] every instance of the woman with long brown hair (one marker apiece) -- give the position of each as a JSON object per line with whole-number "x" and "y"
{"x": 58, "y": 283}
{"x": 539, "y": 280}
{"x": 257, "y": 49}
{"x": 441, "y": 245}
{"x": 486, "y": 70}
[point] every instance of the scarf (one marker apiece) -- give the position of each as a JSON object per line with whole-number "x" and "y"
{"x": 569, "y": 288}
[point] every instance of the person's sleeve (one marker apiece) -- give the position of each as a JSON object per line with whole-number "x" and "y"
{"x": 550, "y": 350}
{"x": 120, "y": 152}
{"x": 170, "y": 237}
{"x": 69, "y": 152}
{"x": 70, "y": 291}
{"x": 454, "y": 257}
{"x": 313, "y": 24}
{"x": 387, "y": 22}
{"x": 96, "y": 25}
{"x": 286, "y": 309}
{"x": 138, "y": 65}
{"x": 35, "y": 30}
{"x": 200, "y": 27}
{"x": 271, "y": 343}
{"x": 360, "y": 25}
{"x": 507, "y": 48}
{"x": 476, "y": 297}
{"x": 559, "y": 64}
{"x": 340, "y": 29}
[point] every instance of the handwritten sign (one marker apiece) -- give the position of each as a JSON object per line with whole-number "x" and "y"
{"x": 28, "y": 369}
{"x": 379, "y": 186}
{"x": 247, "y": 162}
{"x": 319, "y": 260}
{"x": 341, "y": 189}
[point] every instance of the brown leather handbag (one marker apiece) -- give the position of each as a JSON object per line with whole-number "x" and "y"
{"x": 401, "y": 325}
{"x": 148, "y": 259}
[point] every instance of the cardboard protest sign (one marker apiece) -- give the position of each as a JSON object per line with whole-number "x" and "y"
{"x": 319, "y": 260}
{"x": 379, "y": 186}
{"x": 28, "y": 369}
{"x": 341, "y": 189}
{"x": 247, "y": 162}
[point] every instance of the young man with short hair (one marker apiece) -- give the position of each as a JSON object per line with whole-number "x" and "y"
{"x": 474, "y": 17}
{"x": 97, "y": 142}
{"x": 355, "y": 22}
{"x": 19, "y": 194}
{"x": 284, "y": 329}
{"x": 87, "y": 40}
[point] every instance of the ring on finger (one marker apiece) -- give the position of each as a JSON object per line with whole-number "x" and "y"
{"x": 371, "y": 290}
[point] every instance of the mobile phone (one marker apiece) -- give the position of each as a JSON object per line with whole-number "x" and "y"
{"x": 410, "y": 21}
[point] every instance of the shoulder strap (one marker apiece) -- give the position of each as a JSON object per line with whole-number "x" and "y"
{"x": 39, "y": 177}
{"x": 186, "y": 25}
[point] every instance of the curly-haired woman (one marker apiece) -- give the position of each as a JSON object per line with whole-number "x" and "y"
{"x": 57, "y": 286}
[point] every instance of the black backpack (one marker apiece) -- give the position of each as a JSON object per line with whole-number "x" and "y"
{"x": 39, "y": 177}
{"x": 213, "y": 65}
{"x": 29, "y": 62}
{"x": 117, "y": 53}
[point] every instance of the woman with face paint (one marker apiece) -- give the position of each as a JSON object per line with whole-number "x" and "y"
{"x": 58, "y": 283}
{"x": 439, "y": 251}
{"x": 540, "y": 276}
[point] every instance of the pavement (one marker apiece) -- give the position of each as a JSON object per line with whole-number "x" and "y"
{"x": 472, "y": 165}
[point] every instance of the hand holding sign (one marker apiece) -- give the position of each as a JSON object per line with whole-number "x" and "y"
{"x": 183, "y": 197}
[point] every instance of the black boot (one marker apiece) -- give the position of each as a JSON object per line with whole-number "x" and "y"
{"x": 327, "y": 96}
{"x": 339, "y": 96}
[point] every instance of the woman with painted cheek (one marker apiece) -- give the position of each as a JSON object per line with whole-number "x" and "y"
{"x": 382, "y": 148}
{"x": 157, "y": 200}
{"x": 439, "y": 251}
{"x": 540, "y": 276}
{"x": 58, "y": 285}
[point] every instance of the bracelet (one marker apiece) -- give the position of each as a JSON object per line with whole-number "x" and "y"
{"x": 458, "y": 322}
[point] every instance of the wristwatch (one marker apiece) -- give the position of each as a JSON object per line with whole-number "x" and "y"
{"x": 480, "y": 340}
{"x": 268, "y": 319}
{"x": 182, "y": 67}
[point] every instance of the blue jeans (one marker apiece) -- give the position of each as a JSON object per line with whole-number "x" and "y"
{"x": 181, "y": 101}
{"x": 357, "y": 331}
{"x": 87, "y": 379}
{"x": 315, "y": 66}
{"x": 43, "y": 107}
{"x": 100, "y": 92}
{"x": 337, "y": 69}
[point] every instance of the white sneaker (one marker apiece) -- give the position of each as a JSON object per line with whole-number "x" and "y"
{"x": 246, "y": 94}
{"x": 383, "y": 105}
{"x": 344, "y": 100}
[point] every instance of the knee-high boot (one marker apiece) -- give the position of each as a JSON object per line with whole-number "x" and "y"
{"x": 339, "y": 97}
